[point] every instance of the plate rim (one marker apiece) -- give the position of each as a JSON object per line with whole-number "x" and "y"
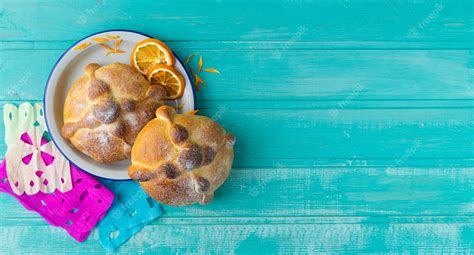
{"x": 59, "y": 60}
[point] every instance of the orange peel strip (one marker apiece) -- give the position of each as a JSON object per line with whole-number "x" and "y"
{"x": 113, "y": 37}
{"x": 197, "y": 80}
{"x": 200, "y": 64}
{"x": 189, "y": 58}
{"x": 117, "y": 43}
{"x": 193, "y": 112}
{"x": 211, "y": 70}
{"x": 105, "y": 46}
{"x": 100, "y": 39}
{"x": 82, "y": 46}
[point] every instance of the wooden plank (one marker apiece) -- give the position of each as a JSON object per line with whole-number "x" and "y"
{"x": 348, "y": 133}
{"x": 261, "y": 239}
{"x": 328, "y": 21}
{"x": 344, "y": 76}
{"x": 344, "y": 135}
{"x": 243, "y": 220}
{"x": 198, "y": 46}
{"x": 323, "y": 192}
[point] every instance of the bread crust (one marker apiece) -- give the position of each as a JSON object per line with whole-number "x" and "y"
{"x": 181, "y": 159}
{"x": 106, "y": 108}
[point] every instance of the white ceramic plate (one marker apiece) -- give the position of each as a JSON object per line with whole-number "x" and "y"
{"x": 68, "y": 69}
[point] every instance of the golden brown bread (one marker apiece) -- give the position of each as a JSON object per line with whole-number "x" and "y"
{"x": 181, "y": 159}
{"x": 106, "y": 108}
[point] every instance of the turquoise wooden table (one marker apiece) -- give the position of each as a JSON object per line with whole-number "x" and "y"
{"x": 354, "y": 121}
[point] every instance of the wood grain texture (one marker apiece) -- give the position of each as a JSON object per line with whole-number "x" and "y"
{"x": 346, "y": 135}
{"x": 343, "y": 75}
{"x": 261, "y": 238}
{"x": 334, "y": 21}
{"x": 354, "y": 121}
{"x": 307, "y": 192}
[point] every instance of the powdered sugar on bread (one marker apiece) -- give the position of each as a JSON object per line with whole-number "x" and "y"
{"x": 106, "y": 108}
{"x": 181, "y": 159}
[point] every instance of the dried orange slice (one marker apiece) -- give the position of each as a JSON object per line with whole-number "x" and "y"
{"x": 168, "y": 77}
{"x": 151, "y": 52}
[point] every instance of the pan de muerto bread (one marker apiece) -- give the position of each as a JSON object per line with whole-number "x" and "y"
{"x": 181, "y": 159}
{"x": 106, "y": 108}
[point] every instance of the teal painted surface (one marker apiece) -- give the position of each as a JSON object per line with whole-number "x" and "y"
{"x": 354, "y": 121}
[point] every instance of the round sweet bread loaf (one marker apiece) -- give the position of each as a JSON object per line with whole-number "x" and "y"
{"x": 106, "y": 108}
{"x": 181, "y": 159}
